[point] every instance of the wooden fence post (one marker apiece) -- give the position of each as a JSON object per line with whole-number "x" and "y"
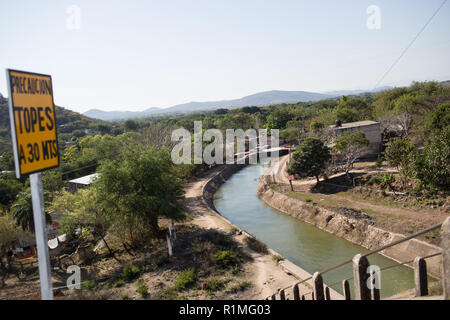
{"x": 360, "y": 276}
{"x": 445, "y": 235}
{"x": 296, "y": 292}
{"x": 346, "y": 290}
{"x": 169, "y": 245}
{"x": 420, "y": 277}
{"x": 318, "y": 286}
{"x": 174, "y": 232}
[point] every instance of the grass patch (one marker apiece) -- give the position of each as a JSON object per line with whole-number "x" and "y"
{"x": 202, "y": 247}
{"x": 336, "y": 204}
{"x": 300, "y": 196}
{"x": 118, "y": 283}
{"x": 141, "y": 288}
{"x": 234, "y": 230}
{"x": 436, "y": 289}
{"x": 168, "y": 294}
{"x": 124, "y": 296}
{"x": 186, "y": 279}
{"x": 277, "y": 258}
{"x": 236, "y": 270}
{"x": 103, "y": 296}
{"x": 214, "y": 284}
{"x": 162, "y": 259}
{"x": 225, "y": 259}
{"x": 239, "y": 287}
{"x": 130, "y": 272}
{"x": 88, "y": 285}
{"x": 255, "y": 245}
{"x": 114, "y": 283}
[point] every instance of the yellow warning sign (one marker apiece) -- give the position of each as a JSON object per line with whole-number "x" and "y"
{"x": 33, "y": 123}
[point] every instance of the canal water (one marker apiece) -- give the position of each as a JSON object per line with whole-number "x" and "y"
{"x": 305, "y": 245}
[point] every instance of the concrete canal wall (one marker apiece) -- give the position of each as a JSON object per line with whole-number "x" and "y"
{"x": 355, "y": 229}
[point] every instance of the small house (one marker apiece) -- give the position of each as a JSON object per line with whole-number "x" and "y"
{"x": 371, "y": 129}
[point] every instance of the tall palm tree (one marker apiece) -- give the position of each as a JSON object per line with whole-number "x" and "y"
{"x": 22, "y": 211}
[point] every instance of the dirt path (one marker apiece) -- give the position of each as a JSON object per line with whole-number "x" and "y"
{"x": 265, "y": 274}
{"x": 278, "y": 171}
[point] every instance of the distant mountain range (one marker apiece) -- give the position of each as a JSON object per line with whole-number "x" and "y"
{"x": 259, "y": 99}
{"x": 355, "y": 92}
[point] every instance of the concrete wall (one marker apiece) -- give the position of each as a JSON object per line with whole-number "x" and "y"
{"x": 213, "y": 184}
{"x": 372, "y": 132}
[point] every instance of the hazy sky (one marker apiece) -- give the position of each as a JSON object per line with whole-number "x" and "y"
{"x": 138, "y": 54}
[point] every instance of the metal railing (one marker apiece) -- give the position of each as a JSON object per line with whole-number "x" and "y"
{"x": 360, "y": 276}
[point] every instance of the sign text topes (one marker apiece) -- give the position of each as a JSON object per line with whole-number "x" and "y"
{"x": 33, "y": 123}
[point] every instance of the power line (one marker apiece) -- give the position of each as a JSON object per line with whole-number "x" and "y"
{"x": 410, "y": 44}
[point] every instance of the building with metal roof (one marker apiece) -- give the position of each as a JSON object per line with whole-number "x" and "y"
{"x": 82, "y": 181}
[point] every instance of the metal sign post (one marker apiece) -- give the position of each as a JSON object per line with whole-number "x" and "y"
{"x": 37, "y": 198}
{"x": 35, "y": 145}
{"x": 291, "y": 177}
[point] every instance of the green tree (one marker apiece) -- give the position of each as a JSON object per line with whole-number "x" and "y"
{"x": 387, "y": 180}
{"x": 78, "y": 133}
{"x": 7, "y": 161}
{"x": 398, "y": 154}
{"x": 291, "y": 134}
{"x": 139, "y": 189}
{"x": 316, "y": 126}
{"x": 9, "y": 188}
{"x": 221, "y": 111}
{"x": 350, "y": 147}
{"x": 9, "y": 234}
{"x": 441, "y": 117}
{"x": 250, "y": 109}
{"x": 81, "y": 209}
{"x": 432, "y": 165}
{"x": 22, "y": 211}
{"x": 278, "y": 119}
{"x": 131, "y": 125}
{"x": 240, "y": 120}
{"x": 52, "y": 180}
{"x": 103, "y": 128}
{"x": 352, "y": 103}
{"x": 310, "y": 158}
{"x": 347, "y": 114}
{"x": 352, "y": 109}
{"x": 404, "y": 108}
